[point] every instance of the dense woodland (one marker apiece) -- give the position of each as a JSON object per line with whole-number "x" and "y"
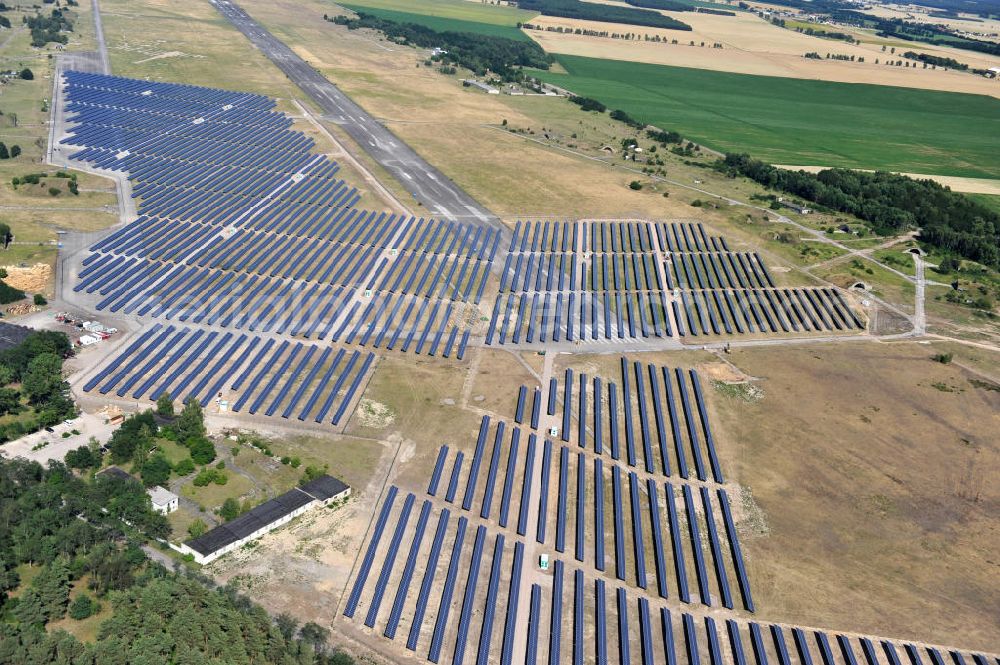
{"x": 480, "y": 53}
{"x": 78, "y": 541}
{"x": 890, "y": 203}
{"x": 608, "y": 13}
{"x": 32, "y": 385}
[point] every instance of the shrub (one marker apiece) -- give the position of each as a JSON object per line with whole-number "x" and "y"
{"x": 82, "y": 607}
{"x": 27, "y": 74}
{"x": 40, "y": 300}
{"x": 943, "y": 358}
{"x": 635, "y": 184}
{"x": 53, "y": 191}
{"x": 202, "y": 451}
{"x": 9, "y": 294}
{"x": 230, "y": 509}
{"x": 165, "y": 404}
{"x": 197, "y": 528}
{"x": 184, "y": 467}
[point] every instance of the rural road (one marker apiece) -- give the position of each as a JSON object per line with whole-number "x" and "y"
{"x": 428, "y": 185}
{"x": 919, "y": 318}
{"x": 102, "y": 47}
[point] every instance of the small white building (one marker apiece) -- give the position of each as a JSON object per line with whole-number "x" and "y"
{"x": 164, "y": 501}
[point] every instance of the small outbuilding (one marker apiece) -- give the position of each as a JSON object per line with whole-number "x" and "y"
{"x": 164, "y": 501}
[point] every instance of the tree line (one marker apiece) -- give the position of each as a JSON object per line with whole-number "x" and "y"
{"x": 31, "y": 378}
{"x": 890, "y": 203}
{"x": 479, "y": 53}
{"x": 85, "y": 535}
{"x": 936, "y": 60}
{"x": 608, "y": 13}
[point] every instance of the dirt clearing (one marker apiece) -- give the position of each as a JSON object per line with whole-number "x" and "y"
{"x": 872, "y": 467}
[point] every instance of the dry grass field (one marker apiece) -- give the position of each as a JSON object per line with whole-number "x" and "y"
{"x": 751, "y": 45}
{"x": 985, "y": 29}
{"x": 872, "y": 468}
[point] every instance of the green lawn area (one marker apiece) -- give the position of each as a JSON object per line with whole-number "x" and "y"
{"x": 504, "y": 25}
{"x": 798, "y": 121}
{"x": 461, "y": 10}
{"x": 211, "y": 496}
{"x": 174, "y": 452}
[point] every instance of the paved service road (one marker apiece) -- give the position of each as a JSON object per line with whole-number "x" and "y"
{"x": 430, "y": 187}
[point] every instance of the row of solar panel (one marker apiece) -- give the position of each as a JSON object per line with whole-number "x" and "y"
{"x": 632, "y": 272}
{"x": 170, "y": 137}
{"x": 259, "y": 373}
{"x": 188, "y": 94}
{"x": 613, "y": 237}
{"x": 730, "y": 312}
{"x": 209, "y": 154}
{"x": 419, "y": 325}
{"x": 583, "y": 626}
{"x": 440, "y": 624}
{"x": 673, "y": 642}
{"x": 157, "y": 198}
{"x": 301, "y": 279}
{"x": 124, "y": 128}
{"x": 149, "y": 169}
{"x": 670, "y": 431}
{"x": 538, "y": 318}
{"x": 252, "y": 183}
{"x": 212, "y": 247}
{"x": 155, "y": 104}
{"x": 582, "y": 504}
{"x": 237, "y": 210}
{"x": 717, "y": 270}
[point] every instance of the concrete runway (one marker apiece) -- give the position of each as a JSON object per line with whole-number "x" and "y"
{"x": 441, "y": 197}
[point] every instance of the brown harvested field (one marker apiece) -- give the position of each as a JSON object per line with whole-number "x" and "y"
{"x": 872, "y": 466}
{"x": 753, "y": 46}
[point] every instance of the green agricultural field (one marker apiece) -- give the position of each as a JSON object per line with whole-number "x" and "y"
{"x": 802, "y": 122}
{"x": 991, "y": 201}
{"x": 442, "y": 24}
{"x": 454, "y": 15}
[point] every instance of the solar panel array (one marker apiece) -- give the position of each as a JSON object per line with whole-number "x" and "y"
{"x": 645, "y": 560}
{"x": 248, "y": 249}
{"x": 241, "y": 226}
{"x": 655, "y": 418}
{"x": 578, "y": 281}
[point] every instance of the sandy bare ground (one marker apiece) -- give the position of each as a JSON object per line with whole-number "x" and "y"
{"x": 752, "y": 46}
{"x": 958, "y": 184}
{"x": 33, "y": 279}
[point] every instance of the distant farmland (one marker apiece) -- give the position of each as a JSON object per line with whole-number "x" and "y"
{"x": 797, "y": 121}
{"x": 449, "y": 15}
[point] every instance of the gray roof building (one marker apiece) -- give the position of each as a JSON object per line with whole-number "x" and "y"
{"x": 265, "y": 517}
